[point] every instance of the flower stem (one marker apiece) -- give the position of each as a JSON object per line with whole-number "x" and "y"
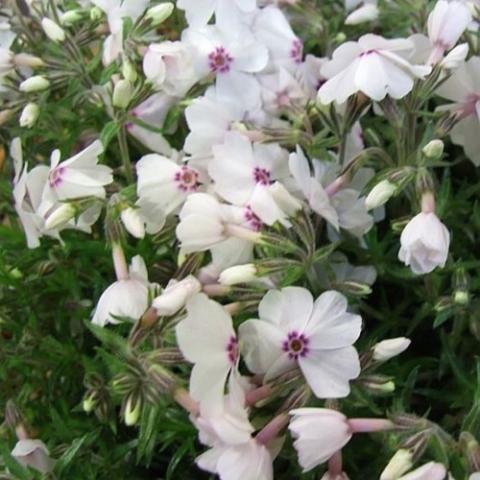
{"x": 367, "y": 425}
{"x": 124, "y": 153}
{"x": 272, "y": 429}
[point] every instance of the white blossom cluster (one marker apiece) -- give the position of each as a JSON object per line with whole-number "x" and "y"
{"x": 239, "y": 71}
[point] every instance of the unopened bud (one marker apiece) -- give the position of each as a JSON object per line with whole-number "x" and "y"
{"x": 461, "y": 297}
{"x": 356, "y": 289}
{"x": 400, "y": 463}
{"x": 390, "y": 348}
{"x": 340, "y": 37}
{"x": 29, "y": 115}
{"x": 122, "y": 94}
{"x": 176, "y": 295}
{"x": 132, "y": 411}
{"x": 95, "y": 13}
{"x": 433, "y": 149}
{"x": 60, "y": 216}
{"x": 128, "y": 70}
{"x": 284, "y": 199}
{"x": 159, "y": 13}
{"x": 53, "y": 31}
{"x": 239, "y": 274}
{"x": 133, "y": 222}
{"x": 27, "y": 60}
{"x": 71, "y": 17}
{"x": 367, "y": 13}
{"x": 89, "y": 402}
{"x": 379, "y": 388}
{"x": 380, "y": 194}
{"x": 34, "y": 84}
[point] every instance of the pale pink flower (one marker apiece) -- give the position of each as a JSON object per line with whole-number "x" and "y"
{"x": 33, "y": 454}
{"x": 429, "y": 471}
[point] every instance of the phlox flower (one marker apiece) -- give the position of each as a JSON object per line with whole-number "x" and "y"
{"x": 294, "y": 331}
{"x": 244, "y": 172}
{"x": 207, "y": 339}
{"x": 232, "y": 57}
{"x": 374, "y": 66}
{"x": 429, "y": 471}
{"x": 34, "y": 454}
{"x": 125, "y": 298}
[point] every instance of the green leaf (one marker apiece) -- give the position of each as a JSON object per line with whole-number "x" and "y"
{"x": 69, "y": 454}
{"x": 109, "y": 339}
{"x": 109, "y": 132}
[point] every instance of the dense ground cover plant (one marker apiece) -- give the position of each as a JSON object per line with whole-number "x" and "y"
{"x": 238, "y": 239}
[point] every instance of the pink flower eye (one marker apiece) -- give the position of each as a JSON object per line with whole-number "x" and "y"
{"x": 296, "y": 52}
{"x": 296, "y": 345}
{"x": 262, "y": 176}
{"x": 219, "y": 60}
{"x": 187, "y": 179}
{"x": 55, "y": 177}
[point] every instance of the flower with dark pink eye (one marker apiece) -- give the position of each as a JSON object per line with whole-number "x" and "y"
{"x": 296, "y": 345}
{"x": 296, "y": 51}
{"x": 219, "y": 60}
{"x": 368, "y": 52}
{"x": 253, "y": 221}
{"x": 187, "y": 179}
{"x": 262, "y": 176}
{"x": 55, "y": 177}
{"x": 232, "y": 350}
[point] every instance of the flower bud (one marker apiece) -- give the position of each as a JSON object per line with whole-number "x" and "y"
{"x": 89, "y": 402}
{"x": 380, "y": 388}
{"x": 461, "y": 297}
{"x": 380, "y": 194}
{"x": 356, "y": 289}
{"x": 176, "y": 295}
{"x": 284, "y": 199}
{"x": 239, "y": 274}
{"x": 367, "y": 13}
{"x": 433, "y": 149}
{"x": 5, "y": 116}
{"x": 29, "y": 115}
{"x": 71, "y": 17}
{"x": 60, "y": 216}
{"x": 122, "y": 94}
{"x": 133, "y": 222}
{"x": 400, "y": 463}
{"x": 96, "y": 13}
{"x": 53, "y": 31}
{"x": 27, "y": 60}
{"x": 387, "y": 349}
{"x": 128, "y": 70}
{"x": 34, "y": 84}
{"x": 132, "y": 411}
{"x": 159, "y": 13}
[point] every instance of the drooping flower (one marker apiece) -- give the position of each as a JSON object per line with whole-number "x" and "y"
{"x": 425, "y": 240}
{"x": 373, "y": 65}
{"x": 125, "y": 298}
{"x": 319, "y": 433}
{"x": 33, "y": 454}
{"x": 175, "y": 295}
{"x": 207, "y": 339}
{"x": 294, "y": 331}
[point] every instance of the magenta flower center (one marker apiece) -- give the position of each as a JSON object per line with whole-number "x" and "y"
{"x": 296, "y": 345}
{"x": 296, "y": 51}
{"x": 187, "y": 179}
{"x": 262, "y": 176}
{"x": 232, "y": 349}
{"x": 219, "y": 60}
{"x": 253, "y": 221}
{"x": 55, "y": 176}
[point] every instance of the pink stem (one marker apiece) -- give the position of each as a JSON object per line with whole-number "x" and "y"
{"x": 428, "y": 202}
{"x": 260, "y": 393}
{"x": 335, "y": 464}
{"x": 21, "y": 432}
{"x": 436, "y": 55}
{"x": 233, "y": 308}
{"x": 183, "y": 398}
{"x": 119, "y": 262}
{"x": 335, "y": 186}
{"x": 216, "y": 290}
{"x": 366, "y": 425}
{"x": 241, "y": 232}
{"x": 272, "y": 429}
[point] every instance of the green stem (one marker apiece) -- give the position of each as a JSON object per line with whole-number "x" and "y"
{"x": 124, "y": 153}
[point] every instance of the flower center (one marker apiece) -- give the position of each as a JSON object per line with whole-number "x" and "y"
{"x": 253, "y": 221}
{"x": 296, "y": 345}
{"x": 296, "y": 51}
{"x": 219, "y": 60}
{"x": 232, "y": 349}
{"x": 187, "y": 179}
{"x": 368, "y": 52}
{"x": 262, "y": 176}
{"x": 55, "y": 176}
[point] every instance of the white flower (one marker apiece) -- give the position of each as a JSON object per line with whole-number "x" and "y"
{"x": 317, "y": 337}
{"x": 463, "y": 88}
{"x": 424, "y": 243}
{"x": 175, "y": 295}
{"x": 243, "y": 173}
{"x": 366, "y": 13}
{"x": 209, "y": 118}
{"x": 387, "y": 349}
{"x": 152, "y": 112}
{"x": 199, "y": 12}
{"x": 446, "y": 23}
{"x": 238, "y": 274}
{"x": 133, "y": 222}
{"x": 232, "y": 56}
{"x": 164, "y": 182}
{"x": 474, "y": 476}
{"x": 272, "y": 29}
{"x": 53, "y": 31}
{"x": 455, "y": 57}
{"x": 207, "y": 339}
{"x": 340, "y": 476}
{"x": 374, "y": 66}
{"x": 33, "y": 454}
{"x": 168, "y": 65}
{"x": 125, "y": 298}
{"x": 319, "y": 433}
{"x": 400, "y": 463}
{"x": 429, "y": 471}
